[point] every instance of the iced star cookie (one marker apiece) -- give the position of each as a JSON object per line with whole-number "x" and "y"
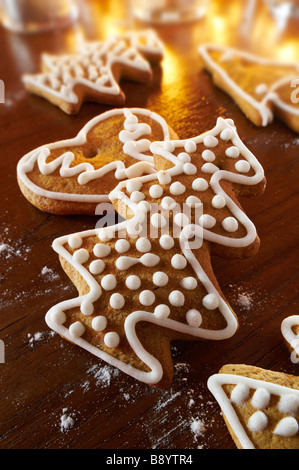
{"x": 73, "y": 176}
{"x": 260, "y": 407}
{"x": 290, "y": 333}
{"x": 148, "y": 280}
{"x": 94, "y": 72}
{"x": 261, "y": 88}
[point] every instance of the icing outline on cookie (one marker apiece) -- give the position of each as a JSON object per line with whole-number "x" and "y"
{"x": 133, "y": 146}
{"x": 270, "y": 94}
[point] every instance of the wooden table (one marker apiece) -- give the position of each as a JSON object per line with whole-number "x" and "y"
{"x": 45, "y": 379}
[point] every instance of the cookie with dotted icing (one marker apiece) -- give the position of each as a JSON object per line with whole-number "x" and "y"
{"x": 94, "y": 72}
{"x": 290, "y": 333}
{"x": 262, "y": 88}
{"x": 260, "y": 407}
{"x": 75, "y": 175}
{"x": 148, "y": 280}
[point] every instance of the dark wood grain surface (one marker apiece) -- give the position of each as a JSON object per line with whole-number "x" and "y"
{"x": 44, "y": 379}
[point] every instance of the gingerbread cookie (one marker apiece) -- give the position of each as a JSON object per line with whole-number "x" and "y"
{"x": 73, "y": 176}
{"x": 148, "y": 280}
{"x": 290, "y": 333}
{"x": 260, "y": 407}
{"x": 261, "y": 88}
{"x": 94, "y": 73}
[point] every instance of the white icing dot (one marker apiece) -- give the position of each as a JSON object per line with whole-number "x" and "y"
{"x": 109, "y": 282}
{"x": 210, "y": 301}
{"x": 261, "y": 398}
{"x": 76, "y": 329}
{"x": 137, "y": 196}
{"x": 164, "y": 177}
{"x": 168, "y": 203}
{"x": 181, "y": 219}
{"x": 162, "y": 311}
{"x": 218, "y": 201}
{"x": 133, "y": 185}
{"x": 257, "y": 422}
{"x": 232, "y": 152}
{"x": 177, "y": 188}
{"x": 158, "y": 220}
{"x": 178, "y": 261}
{"x": 287, "y": 427}
{"x": 189, "y": 283}
{"x": 75, "y": 241}
{"x": 176, "y": 298}
{"x": 133, "y": 282}
{"x": 242, "y": 166}
{"x": 117, "y": 301}
{"x": 99, "y": 323}
{"x": 208, "y": 155}
{"x": 166, "y": 242}
{"x": 200, "y": 184}
{"x": 143, "y": 245}
{"x": 210, "y": 141}
{"x": 81, "y": 256}
{"x": 190, "y": 146}
{"x": 58, "y": 317}
{"x": 189, "y": 169}
{"x": 156, "y": 191}
{"x": 239, "y": 394}
{"x": 289, "y": 403}
{"x": 209, "y": 168}
{"x": 230, "y": 224}
{"x": 105, "y": 234}
{"x": 97, "y": 266}
{"x": 184, "y": 157}
{"x": 122, "y": 246}
{"x": 134, "y": 228}
{"x": 160, "y": 279}
{"x": 226, "y": 134}
{"x": 87, "y": 308}
{"x": 193, "y": 201}
{"x": 146, "y": 297}
{"x": 207, "y": 221}
{"x": 194, "y": 318}
{"x": 111, "y": 339}
{"x": 101, "y": 250}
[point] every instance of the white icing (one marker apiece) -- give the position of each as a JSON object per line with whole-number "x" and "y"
{"x": 146, "y": 297}
{"x": 240, "y": 394}
{"x": 207, "y": 221}
{"x": 81, "y": 256}
{"x": 101, "y": 251}
{"x": 181, "y": 219}
{"x": 184, "y": 157}
{"x": 289, "y": 404}
{"x": 117, "y": 301}
{"x": 287, "y": 427}
{"x": 210, "y": 141}
{"x": 76, "y": 329}
{"x": 242, "y": 166}
{"x": 166, "y": 242}
{"x": 96, "y": 267}
{"x": 193, "y": 201}
{"x": 261, "y": 398}
{"x": 143, "y": 245}
{"x": 218, "y": 201}
{"x": 190, "y": 146}
{"x": 87, "y": 308}
{"x": 230, "y": 224}
{"x": 75, "y": 241}
{"x": 122, "y": 246}
{"x": 178, "y": 261}
{"x": 162, "y": 311}
{"x": 189, "y": 283}
{"x": 176, "y": 298}
{"x": 194, "y": 318}
{"x": 160, "y": 279}
{"x": 99, "y": 323}
{"x": 156, "y": 191}
{"x": 208, "y": 155}
{"x": 163, "y": 177}
{"x": 86, "y": 171}
{"x": 158, "y": 220}
{"x": 232, "y": 152}
{"x": 257, "y": 422}
{"x": 200, "y": 184}
{"x": 210, "y": 301}
{"x": 109, "y": 282}
{"x": 177, "y": 188}
{"x": 133, "y": 282}
{"x": 189, "y": 169}
{"x": 111, "y": 339}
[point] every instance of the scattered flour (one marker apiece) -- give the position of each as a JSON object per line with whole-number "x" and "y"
{"x": 198, "y": 427}
{"x": 49, "y": 273}
{"x": 245, "y": 301}
{"x": 67, "y": 420}
{"x": 103, "y": 374}
{"x": 39, "y": 336}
